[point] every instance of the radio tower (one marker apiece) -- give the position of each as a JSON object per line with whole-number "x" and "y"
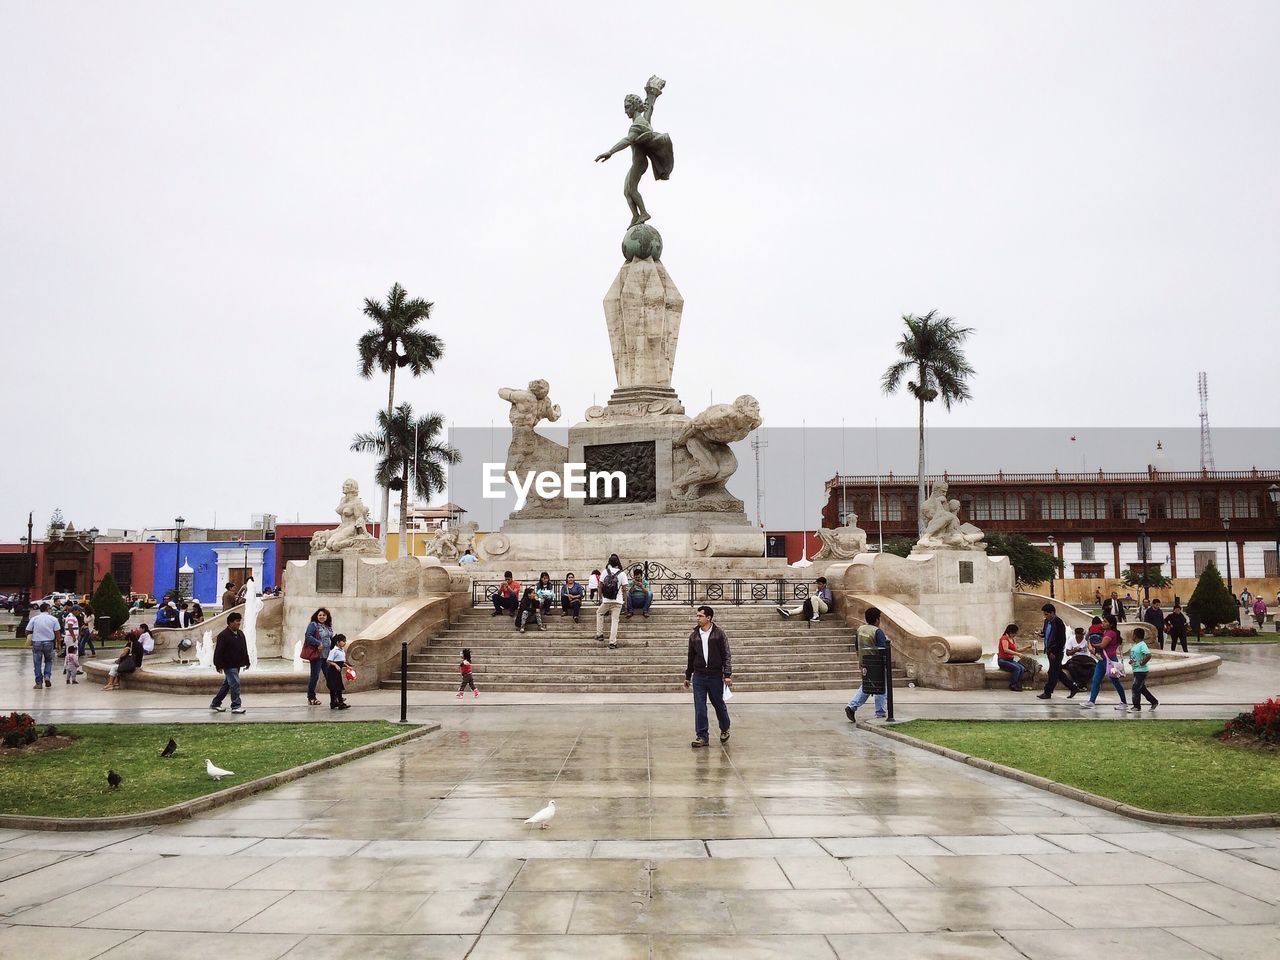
{"x": 757, "y": 445}
{"x": 1206, "y": 440}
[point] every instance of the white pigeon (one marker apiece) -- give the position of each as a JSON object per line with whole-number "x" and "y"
{"x": 216, "y": 772}
{"x": 543, "y": 817}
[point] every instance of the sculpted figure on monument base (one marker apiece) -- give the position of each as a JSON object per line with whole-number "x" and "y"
{"x": 842, "y": 543}
{"x": 449, "y": 544}
{"x": 352, "y": 532}
{"x": 529, "y": 451}
{"x": 706, "y": 440}
{"x": 942, "y": 526}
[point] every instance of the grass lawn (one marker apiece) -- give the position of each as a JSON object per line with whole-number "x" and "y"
{"x": 1269, "y": 637}
{"x": 1175, "y": 766}
{"x": 72, "y": 781}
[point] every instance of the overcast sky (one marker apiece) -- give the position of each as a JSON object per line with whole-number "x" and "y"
{"x": 197, "y": 198}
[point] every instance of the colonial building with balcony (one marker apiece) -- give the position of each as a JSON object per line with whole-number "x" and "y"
{"x": 1099, "y": 524}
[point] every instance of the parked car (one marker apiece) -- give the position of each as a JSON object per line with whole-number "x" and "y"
{"x": 142, "y": 601}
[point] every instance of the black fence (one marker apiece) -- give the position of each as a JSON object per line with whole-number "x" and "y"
{"x": 672, "y": 588}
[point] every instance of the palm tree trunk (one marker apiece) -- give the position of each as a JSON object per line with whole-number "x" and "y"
{"x": 403, "y": 546}
{"x": 386, "y": 492}
{"x": 920, "y": 474}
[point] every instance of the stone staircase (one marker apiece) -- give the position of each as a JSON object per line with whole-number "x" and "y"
{"x": 769, "y": 653}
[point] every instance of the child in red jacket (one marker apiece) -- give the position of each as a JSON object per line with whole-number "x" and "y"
{"x": 464, "y": 668}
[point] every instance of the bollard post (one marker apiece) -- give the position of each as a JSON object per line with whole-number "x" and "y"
{"x": 404, "y": 681}
{"x": 888, "y": 678}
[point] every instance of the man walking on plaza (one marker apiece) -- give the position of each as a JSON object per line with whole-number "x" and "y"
{"x": 1155, "y": 616}
{"x": 709, "y": 670}
{"x": 1114, "y": 606}
{"x": 230, "y": 656}
{"x": 1055, "y": 646}
{"x": 871, "y": 639}
{"x": 43, "y": 629}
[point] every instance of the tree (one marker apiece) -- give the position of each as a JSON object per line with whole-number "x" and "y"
{"x": 109, "y": 602}
{"x": 1211, "y": 603}
{"x": 397, "y": 342}
{"x": 898, "y": 546}
{"x": 1150, "y": 578}
{"x": 411, "y": 455}
{"x": 1031, "y": 565}
{"x": 931, "y": 349}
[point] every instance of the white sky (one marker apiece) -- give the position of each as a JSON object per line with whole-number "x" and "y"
{"x": 198, "y": 196}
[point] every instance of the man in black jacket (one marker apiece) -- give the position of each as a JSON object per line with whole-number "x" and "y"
{"x": 1155, "y": 616}
{"x": 1114, "y": 606}
{"x": 230, "y": 656}
{"x": 709, "y": 670}
{"x": 1055, "y": 645}
{"x": 1175, "y": 625}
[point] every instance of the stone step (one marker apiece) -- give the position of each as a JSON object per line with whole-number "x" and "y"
{"x": 559, "y": 686}
{"x": 588, "y": 627}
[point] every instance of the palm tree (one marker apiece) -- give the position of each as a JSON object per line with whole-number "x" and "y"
{"x": 397, "y": 342}
{"x": 411, "y": 455}
{"x": 931, "y": 349}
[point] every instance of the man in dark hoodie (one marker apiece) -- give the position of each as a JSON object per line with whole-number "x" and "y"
{"x": 1055, "y": 645}
{"x": 709, "y": 671}
{"x": 230, "y": 656}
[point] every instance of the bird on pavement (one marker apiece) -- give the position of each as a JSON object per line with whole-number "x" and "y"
{"x": 114, "y": 779}
{"x": 169, "y": 748}
{"x": 543, "y": 817}
{"x": 216, "y": 772}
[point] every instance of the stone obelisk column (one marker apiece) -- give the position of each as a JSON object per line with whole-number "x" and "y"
{"x": 642, "y": 311}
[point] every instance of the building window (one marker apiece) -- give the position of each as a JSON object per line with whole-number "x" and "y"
{"x": 1056, "y": 507}
{"x": 1204, "y": 558}
{"x": 981, "y": 507}
{"x": 1073, "y": 506}
{"x": 1101, "y": 500}
{"x": 997, "y": 505}
{"x": 1086, "y": 548}
{"x": 1269, "y": 568}
{"x": 1133, "y": 503}
{"x": 1086, "y": 506}
{"x": 1178, "y": 506}
{"x": 894, "y": 507}
{"x": 1013, "y": 507}
{"x": 122, "y": 571}
{"x": 1193, "y": 506}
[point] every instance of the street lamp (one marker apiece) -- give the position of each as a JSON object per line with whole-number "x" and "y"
{"x": 1226, "y": 526}
{"x": 1142, "y": 540}
{"x": 1273, "y": 492}
{"x": 177, "y": 554}
{"x": 1054, "y": 574}
{"x": 92, "y": 534}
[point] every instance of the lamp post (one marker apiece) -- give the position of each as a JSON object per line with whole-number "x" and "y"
{"x": 177, "y": 553}
{"x": 93, "y": 538}
{"x": 1054, "y": 574}
{"x": 1142, "y": 545}
{"x": 1226, "y": 526}
{"x": 1273, "y": 492}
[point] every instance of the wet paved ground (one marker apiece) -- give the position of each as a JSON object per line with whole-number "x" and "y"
{"x": 802, "y": 837}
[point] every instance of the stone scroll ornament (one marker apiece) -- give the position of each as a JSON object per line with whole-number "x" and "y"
{"x": 642, "y": 242}
{"x": 352, "y": 532}
{"x": 530, "y": 452}
{"x": 842, "y": 543}
{"x": 706, "y": 438}
{"x": 942, "y": 526}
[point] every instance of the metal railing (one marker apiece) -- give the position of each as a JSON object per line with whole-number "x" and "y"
{"x": 1055, "y": 476}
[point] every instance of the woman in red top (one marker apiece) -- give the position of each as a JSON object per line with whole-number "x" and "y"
{"x": 1107, "y": 648}
{"x": 1007, "y": 651}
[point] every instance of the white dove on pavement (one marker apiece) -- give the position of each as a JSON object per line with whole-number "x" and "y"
{"x": 543, "y": 817}
{"x": 216, "y": 772}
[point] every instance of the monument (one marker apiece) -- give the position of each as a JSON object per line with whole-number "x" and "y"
{"x": 676, "y": 504}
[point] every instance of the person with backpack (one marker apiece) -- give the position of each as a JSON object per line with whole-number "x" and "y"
{"x": 613, "y": 585}
{"x": 871, "y": 639}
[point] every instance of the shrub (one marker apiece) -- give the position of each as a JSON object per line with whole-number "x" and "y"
{"x": 108, "y": 602}
{"x": 1261, "y": 723}
{"x": 18, "y": 729}
{"x": 1234, "y": 631}
{"x": 1211, "y": 603}
{"x": 1031, "y": 565}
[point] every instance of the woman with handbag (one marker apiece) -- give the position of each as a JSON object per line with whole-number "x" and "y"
{"x": 1107, "y": 648}
{"x": 127, "y": 662}
{"x": 316, "y": 644}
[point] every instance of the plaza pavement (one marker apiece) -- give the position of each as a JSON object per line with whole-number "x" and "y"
{"x": 802, "y": 837}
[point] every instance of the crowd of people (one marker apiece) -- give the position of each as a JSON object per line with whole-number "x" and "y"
{"x": 1081, "y": 661}
{"x": 615, "y": 592}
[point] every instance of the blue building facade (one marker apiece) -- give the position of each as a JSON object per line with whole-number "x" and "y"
{"x": 211, "y": 562}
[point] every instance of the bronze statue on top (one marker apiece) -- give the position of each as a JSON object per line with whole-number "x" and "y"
{"x": 645, "y": 146}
